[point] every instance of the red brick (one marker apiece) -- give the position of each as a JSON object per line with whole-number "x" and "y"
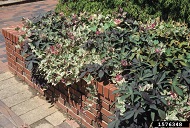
{"x": 112, "y": 96}
{"x": 95, "y": 105}
{"x": 27, "y": 71}
{"x": 18, "y": 50}
{"x": 96, "y": 124}
{"x": 11, "y": 60}
{"x": 90, "y": 115}
{"x": 112, "y": 109}
{"x": 13, "y": 57}
{"x": 9, "y": 50}
{"x": 4, "y": 32}
{"x": 23, "y": 64}
{"x": 63, "y": 96}
{"x": 20, "y": 76}
{"x": 14, "y": 67}
{"x": 83, "y": 104}
{"x": 39, "y": 89}
{"x": 106, "y": 91}
{"x": 10, "y": 43}
{"x": 72, "y": 123}
{"x": 14, "y": 33}
{"x": 57, "y": 93}
{"x": 74, "y": 110}
{"x": 16, "y": 38}
{"x": 106, "y": 100}
{"x": 105, "y": 105}
{"x": 20, "y": 70}
{"x": 11, "y": 35}
{"x": 7, "y": 44}
{"x": 75, "y": 104}
{"x": 49, "y": 91}
{"x": 75, "y": 116}
{"x": 19, "y": 66}
{"x": 79, "y": 106}
{"x": 9, "y": 63}
{"x": 62, "y": 101}
{"x": 51, "y": 88}
{"x": 82, "y": 86}
{"x": 29, "y": 77}
{"x": 12, "y": 47}
{"x": 94, "y": 111}
{"x": 103, "y": 124}
{"x": 18, "y": 56}
{"x": 75, "y": 92}
{"x": 83, "y": 122}
{"x": 106, "y": 118}
{"x": 8, "y": 54}
{"x": 64, "y": 108}
{"x": 100, "y": 88}
{"x": 8, "y": 34}
{"x": 29, "y": 82}
{"x": 87, "y": 119}
{"x": 12, "y": 70}
{"x": 105, "y": 112}
{"x": 70, "y": 101}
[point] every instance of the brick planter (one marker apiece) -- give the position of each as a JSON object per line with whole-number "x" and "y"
{"x": 71, "y": 99}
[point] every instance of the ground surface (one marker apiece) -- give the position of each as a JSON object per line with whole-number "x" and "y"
{"x": 6, "y": 2}
{"x": 20, "y": 106}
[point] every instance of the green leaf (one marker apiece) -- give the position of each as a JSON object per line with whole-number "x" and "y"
{"x": 131, "y": 93}
{"x": 106, "y": 26}
{"x": 152, "y": 116}
{"x": 116, "y": 91}
{"x": 155, "y": 70}
{"x": 30, "y": 66}
{"x": 100, "y": 74}
{"x": 161, "y": 113}
{"x": 112, "y": 124}
{"x": 178, "y": 90}
{"x": 147, "y": 75}
{"x": 153, "y": 106}
{"x": 163, "y": 101}
{"x": 129, "y": 114}
{"x": 82, "y": 74}
{"x": 93, "y": 28}
{"x": 162, "y": 77}
{"x": 187, "y": 80}
{"x": 124, "y": 97}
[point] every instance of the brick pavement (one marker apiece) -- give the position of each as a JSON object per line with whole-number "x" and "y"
{"x": 21, "y": 106}
{"x": 17, "y": 99}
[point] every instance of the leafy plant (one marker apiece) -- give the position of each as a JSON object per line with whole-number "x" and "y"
{"x": 149, "y": 63}
{"x": 139, "y": 9}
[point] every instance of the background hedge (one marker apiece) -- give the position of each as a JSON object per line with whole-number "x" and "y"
{"x": 177, "y": 10}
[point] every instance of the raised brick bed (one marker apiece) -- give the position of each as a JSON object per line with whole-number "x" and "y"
{"x": 71, "y": 99}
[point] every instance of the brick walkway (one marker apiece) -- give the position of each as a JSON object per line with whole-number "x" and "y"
{"x": 19, "y": 104}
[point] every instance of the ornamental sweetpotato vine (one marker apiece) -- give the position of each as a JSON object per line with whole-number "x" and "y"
{"x": 149, "y": 63}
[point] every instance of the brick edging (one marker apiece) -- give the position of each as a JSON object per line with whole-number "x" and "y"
{"x": 72, "y": 100}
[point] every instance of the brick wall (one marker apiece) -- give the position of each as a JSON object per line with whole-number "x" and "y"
{"x": 71, "y": 99}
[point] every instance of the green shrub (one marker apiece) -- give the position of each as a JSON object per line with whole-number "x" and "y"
{"x": 150, "y": 63}
{"x": 139, "y": 9}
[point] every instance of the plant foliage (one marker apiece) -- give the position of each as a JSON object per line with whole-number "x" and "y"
{"x": 149, "y": 63}
{"x": 139, "y": 9}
